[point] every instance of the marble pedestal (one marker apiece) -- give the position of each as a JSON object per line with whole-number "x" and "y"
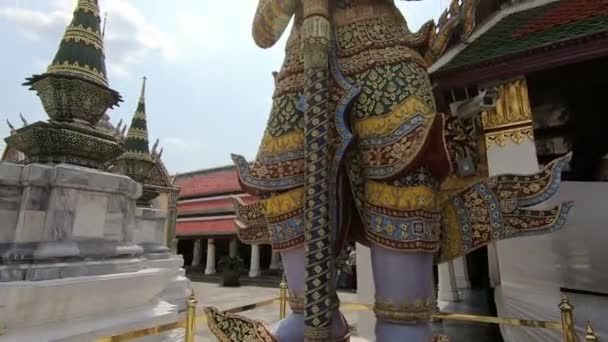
{"x": 76, "y": 255}
{"x": 149, "y": 232}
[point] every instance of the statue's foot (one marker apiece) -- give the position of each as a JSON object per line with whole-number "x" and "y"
{"x": 292, "y": 328}
{"x": 388, "y": 332}
{"x": 441, "y": 338}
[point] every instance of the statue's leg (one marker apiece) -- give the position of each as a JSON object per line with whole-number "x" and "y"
{"x": 292, "y": 327}
{"x": 404, "y": 294}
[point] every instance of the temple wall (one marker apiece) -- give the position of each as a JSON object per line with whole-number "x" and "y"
{"x": 533, "y": 270}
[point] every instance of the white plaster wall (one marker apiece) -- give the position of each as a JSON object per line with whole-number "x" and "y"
{"x": 533, "y": 269}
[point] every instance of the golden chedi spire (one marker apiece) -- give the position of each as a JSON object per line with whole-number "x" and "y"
{"x": 137, "y": 143}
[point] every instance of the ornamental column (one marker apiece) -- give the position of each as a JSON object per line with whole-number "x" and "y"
{"x": 210, "y": 265}
{"x": 448, "y": 290}
{"x": 233, "y": 248}
{"x": 254, "y": 267}
{"x": 274, "y": 260}
{"x": 461, "y": 273}
{"x": 509, "y": 144}
{"x": 196, "y": 253}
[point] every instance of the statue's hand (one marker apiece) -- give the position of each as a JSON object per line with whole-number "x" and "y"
{"x": 499, "y": 208}
{"x": 271, "y": 20}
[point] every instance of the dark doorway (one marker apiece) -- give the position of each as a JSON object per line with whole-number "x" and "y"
{"x": 478, "y": 269}
{"x": 185, "y": 247}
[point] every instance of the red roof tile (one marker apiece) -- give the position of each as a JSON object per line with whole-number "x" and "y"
{"x": 201, "y": 204}
{"x": 208, "y": 182}
{"x": 566, "y": 12}
{"x": 212, "y": 227}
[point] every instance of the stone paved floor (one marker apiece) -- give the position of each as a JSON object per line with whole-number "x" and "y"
{"x": 225, "y": 298}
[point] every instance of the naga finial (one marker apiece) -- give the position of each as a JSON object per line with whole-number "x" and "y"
{"x": 155, "y": 146}
{"x": 23, "y": 119}
{"x": 12, "y": 128}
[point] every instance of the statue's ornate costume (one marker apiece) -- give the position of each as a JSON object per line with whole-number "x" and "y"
{"x": 389, "y": 154}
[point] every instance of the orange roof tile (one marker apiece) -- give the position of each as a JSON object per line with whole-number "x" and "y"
{"x": 211, "y": 227}
{"x": 208, "y": 182}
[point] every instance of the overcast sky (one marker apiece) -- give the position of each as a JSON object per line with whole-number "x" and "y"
{"x": 209, "y": 87}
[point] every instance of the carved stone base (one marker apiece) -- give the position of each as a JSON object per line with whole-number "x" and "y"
{"x": 58, "y": 142}
{"x": 67, "y": 98}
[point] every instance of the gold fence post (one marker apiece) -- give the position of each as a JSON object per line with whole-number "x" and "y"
{"x": 567, "y": 320}
{"x": 191, "y": 318}
{"x": 590, "y": 336}
{"x": 283, "y": 298}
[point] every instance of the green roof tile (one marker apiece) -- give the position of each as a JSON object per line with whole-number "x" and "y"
{"x": 502, "y": 39}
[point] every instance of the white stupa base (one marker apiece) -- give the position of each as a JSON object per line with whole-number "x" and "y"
{"x": 92, "y": 307}
{"x": 91, "y": 328}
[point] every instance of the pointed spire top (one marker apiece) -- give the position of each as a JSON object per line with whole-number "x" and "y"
{"x": 105, "y": 20}
{"x": 142, "y": 96}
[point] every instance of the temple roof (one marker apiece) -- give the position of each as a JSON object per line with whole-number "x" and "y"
{"x": 136, "y": 142}
{"x": 522, "y": 32}
{"x": 209, "y": 182}
{"x": 81, "y": 49}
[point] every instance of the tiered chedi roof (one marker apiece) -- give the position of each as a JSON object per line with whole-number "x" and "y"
{"x": 137, "y": 162}
{"x": 136, "y": 143}
{"x": 81, "y": 49}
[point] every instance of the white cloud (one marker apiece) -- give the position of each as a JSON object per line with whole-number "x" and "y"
{"x": 196, "y": 28}
{"x": 129, "y": 36}
{"x": 127, "y": 26}
{"x": 32, "y": 24}
{"x": 176, "y": 142}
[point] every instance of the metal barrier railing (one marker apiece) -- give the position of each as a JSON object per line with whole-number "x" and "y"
{"x": 566, "y": 325}
{"x": 191, "y": 320}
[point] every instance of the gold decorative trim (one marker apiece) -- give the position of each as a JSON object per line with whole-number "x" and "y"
{"x": 296, "y": 303}
{"x": 411, "y": 198}
{"x": 87, "y": 6}
{"x": 284, "y": 203}
{"x": 517, "y": 135}
{"x": 140, "y": 115}
{"x": 87, "y": 36}
{"x": 287, "y": 142}
{"x": 406, "y": 312}
{"x": 76, "y": 69}
{"x": 137, "y": 133}
{"x": 388, "y": 123}
{"x": 512, "y": 107}
{"x": 130, "y": 154}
